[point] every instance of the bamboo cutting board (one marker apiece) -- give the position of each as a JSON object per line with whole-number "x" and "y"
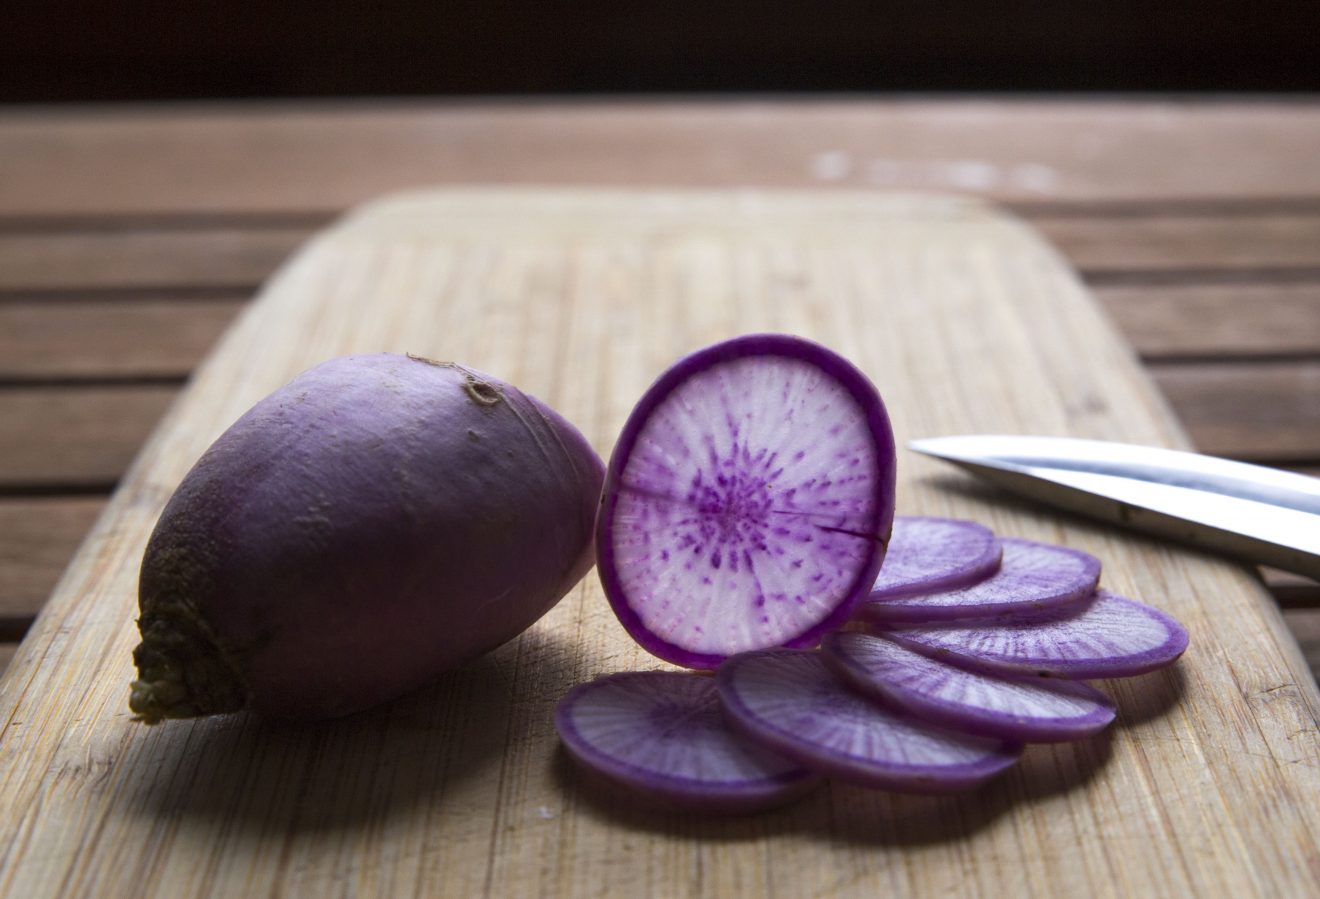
{"x": 967, "y": 322}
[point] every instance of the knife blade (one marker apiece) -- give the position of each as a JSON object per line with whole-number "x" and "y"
{"x": 1248, "y": 511}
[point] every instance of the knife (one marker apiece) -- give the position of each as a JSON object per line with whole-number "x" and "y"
{"x": 1259, "y": 514}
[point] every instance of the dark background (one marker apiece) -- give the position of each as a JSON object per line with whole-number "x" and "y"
{"x": 302, "y": 48}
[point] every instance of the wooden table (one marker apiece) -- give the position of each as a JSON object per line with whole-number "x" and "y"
{"x": 131, "y": 236}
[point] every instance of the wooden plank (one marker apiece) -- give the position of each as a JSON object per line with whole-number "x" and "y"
{"x": 7, "y": 651}
{"x": 1260, "y": 411}
{"x": 1305, "y": 627}
{"x": 279, "y": 157}
{"x": 86, "y": 435}
{"x": 223, "y": 258}
{"x": 240, "y": 257}
{"x": 75, "y": 437}
{"x": 150, "y": 338}
{"x": 1217, "y": 320}
{"x": 38, "y": 537}
{"x": 1158, "y": 243}
{"x": 1203, "y": 788}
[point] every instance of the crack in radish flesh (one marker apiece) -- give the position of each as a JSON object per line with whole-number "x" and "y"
{"x": 931, "y": 554}
{"x": 1032, "y": 576}
{"x": 745, "y": 534}
{"x": 992, "y": 705}
{"x": 792, "y": 703}
{"x": 1108, "y": 636}
{"x": 662, "y": 733}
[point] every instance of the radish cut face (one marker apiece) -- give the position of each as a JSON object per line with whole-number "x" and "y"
{"x": 1032, "y": 576}
{"x": 790, "y": 702}
{"x": 1107, "y": 636}
{"x": 748, "y": 502}
{"x": 661, "y": 736}
{"x": 927, "y": 555}
{"x": 1027, "y": 710}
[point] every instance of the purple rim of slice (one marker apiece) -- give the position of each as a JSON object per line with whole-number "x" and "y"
{"x": 791, "y": 703}
{"x": 661, "y": 736}
{"x": 1011, "y": 708}
{"x": 748, "y": 501}
{"x": 1033, "y": 576}
{"x": 927, "y": 555}
{"x": 1107, "y": 636}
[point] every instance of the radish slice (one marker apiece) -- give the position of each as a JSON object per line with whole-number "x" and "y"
{"x": 927, "y": 555}
{"x": 1032, "y": 576}
{"x": 748, "y": 502}
{"x": 661, "y": 736}
{"x": 791, "y": 703}
{"x": 1107, "y": 636}
{"x": 1027, "y": 710}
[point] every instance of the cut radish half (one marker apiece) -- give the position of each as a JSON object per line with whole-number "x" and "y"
{"x": 1027, "y": 710}
{"x": 790, "y": 702}
{"x": 748, "y": 502}
{"x": 927, "y": 555}
{"x": 661, "y": 736}
{"x": 1107, "y": 636}
{"x": 1032, "y": 576}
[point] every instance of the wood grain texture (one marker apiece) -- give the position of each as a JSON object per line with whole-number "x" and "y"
{"x": 38, "y": 537}
{"x": 124, "y": 339}
{"x": 1157, "y": 243}
{"x": 283, "y": 157}
{"x": 1221, "y": 321}
{"x": 75, "y": 437}
{"x": 223, "y": 258}
{"x": 161, "y": 255}
{"x": 965, "y": 320}
{"x": 82, "y": 435}
{"x": 1260, "y": 411}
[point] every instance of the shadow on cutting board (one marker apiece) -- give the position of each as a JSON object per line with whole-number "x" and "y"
{"x": 422, "y": 755}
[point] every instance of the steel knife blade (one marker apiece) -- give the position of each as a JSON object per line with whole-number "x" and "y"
{"x": 1255, "y": 513}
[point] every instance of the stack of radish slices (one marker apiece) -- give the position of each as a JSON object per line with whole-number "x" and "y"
{"x": 743, "y": 522}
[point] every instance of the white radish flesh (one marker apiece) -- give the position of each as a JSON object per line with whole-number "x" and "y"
{"x": 660, "y": 736}
{"x": 927, "y": 555}
{"x": 1106, "y": 636}
{"x": 1032, "y": 576}
{"x": 1011, "y": 708}
{"x": 790, "y": 702}
{"x": 748, "y": 501}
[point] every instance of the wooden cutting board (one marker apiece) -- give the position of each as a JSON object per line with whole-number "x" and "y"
{"x": 1206, "y": 785}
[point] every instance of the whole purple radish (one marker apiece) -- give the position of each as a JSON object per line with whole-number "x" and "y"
{"x": 748, "y": 502}
{"x": 374, "y": 522}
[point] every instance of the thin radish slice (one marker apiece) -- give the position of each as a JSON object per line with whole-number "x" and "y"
{"x": 1011, "y": 708}
{"x": 1032, "y": 576}
{"x": 1107, "y": 636}
{"x": 661, "y": 736}
{"x": 790, "y": 702}
{"x": 927, "y": 555}
{"x": 748, "y": 502}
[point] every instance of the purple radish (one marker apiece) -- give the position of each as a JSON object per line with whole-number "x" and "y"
{"x": 927, "y": 555}
{"x": 1107, "y": 636}
{"x": 1032, "y": 576}
{"x": 374, "y": 522}
{"x": 661, "y": 736}
{"x": 748, "y": 502}
{"x": 1020, "y": 709}
{"x": 791, "y": 703}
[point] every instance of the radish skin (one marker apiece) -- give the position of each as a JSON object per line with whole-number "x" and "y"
{"x": 374, "y": 522}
